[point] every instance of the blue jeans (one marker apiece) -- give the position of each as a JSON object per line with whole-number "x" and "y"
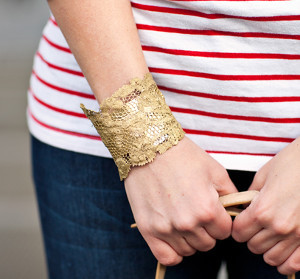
{"x": 86, "y": 217}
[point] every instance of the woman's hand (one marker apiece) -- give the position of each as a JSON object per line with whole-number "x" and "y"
{"x": 271, "y": 224}
{"x": 175, "y": 202}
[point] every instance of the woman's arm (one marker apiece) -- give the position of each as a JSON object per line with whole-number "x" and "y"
{"x": 103, "y": 37}
{"x": 174, "y": 199}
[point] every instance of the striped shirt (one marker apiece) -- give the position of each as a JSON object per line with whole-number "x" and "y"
{"x": 229, "y": 70}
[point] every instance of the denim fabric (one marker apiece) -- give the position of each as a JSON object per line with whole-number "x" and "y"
{"x": 85, "y": 218}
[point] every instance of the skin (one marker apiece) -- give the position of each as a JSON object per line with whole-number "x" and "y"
{"x": 271, "y": 224}
{"x": 174, "y": 199}
{"x": 99, "y": 33}
{"x": 175, "y": 202}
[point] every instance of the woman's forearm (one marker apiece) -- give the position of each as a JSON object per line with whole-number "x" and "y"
{"x": 103, "y": 37}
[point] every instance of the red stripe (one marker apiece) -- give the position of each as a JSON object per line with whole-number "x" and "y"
{"x": 216, "y": 32}
{"x": 222, "y": 54}
{"x": 183, "y": 110}
{"x": 210, "y": 33}
{"x": 204, "y": 54}
{"x": 192, "y": 53}
{"x": 65, "y": 49}
{"x": 223, "y": 77}
{"x": 236, "y": 117}
{"x": 53, "y": 21}
{"x": 63, "y": 131}
{"x": 232, "y": 98}
{"x": 76, "y": 73}
{"x": 211, "y": 16}
{"x": 196, "y": 94}
{"x": 197, "y": 132}
{"x": 99, "y": 138}
{"x": 188, "y": 131}
{"x": 232, "y": 135}
{"x": 67, "y": 112}
{"x": 237, "y": 136}
{"x": 187, "y": 111}
{"x": 64, "y": 90}
{"x": 240, "y": 153}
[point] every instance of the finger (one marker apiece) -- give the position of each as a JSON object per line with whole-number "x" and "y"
{"x": 200, "y": 240}
{"x": 167, "y": 233}
{"x": 179, "y": 244}
{"x": 263, "y": 241}
{"x": 224, "y": 185}
{"x": 193, "y": 232}
{"x": 259, "y": 179}
{"x": 292, "y": 264}
{"x": 218, "y": 224}
{"x": 278, "y": 254}
{"x": 245, "y": 226}
{"x": 209, "y": 214}
{"x": 163, "y": 252}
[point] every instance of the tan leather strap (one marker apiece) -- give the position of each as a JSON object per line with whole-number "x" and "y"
{"x": 229, "y": 202}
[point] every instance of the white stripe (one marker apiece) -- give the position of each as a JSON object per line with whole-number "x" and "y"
{"x": 239, "y": 127}
{"x": 61, "y": 79}
{"x": 269, "y": 110}
{"x": 67, "y": 142}
{"x": 53, "y": 32}
{"x": 59, "y": 99}
{"x": 224, "y": 66}
{"x": 218, "y": 43}
{"x": 61, "y": 121}
{"x": 245, "y": 8}
{"x": 228, "y": 88}
{"x": 58, "y": 57}
{"x": 221, "y": 24}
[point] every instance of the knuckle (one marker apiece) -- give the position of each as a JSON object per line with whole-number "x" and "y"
{"x": 186, "y": 224}
{"x": 188, "y": 252}
{"x": 280, "y": 227}
{"x": 294, "y": 265}
{"x": 254, "y": 248}
{"x": 208, "y": 245}
{"x": 284, "y": 270}
{"x": 225, "y": 235}
{"x": 226, "y": 229}
{"x": 208, "y": 217}
{"x": 162, "y": 228}
{"x": 237, "y": 233}
{"x": 237, "y": 237}
{"x": 261, "y": 215}
{"x": 207, "y": 214}
{"x": 270, "y": 260}
{"x": 168, "y": 259}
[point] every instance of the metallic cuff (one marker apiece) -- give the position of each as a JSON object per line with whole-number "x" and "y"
{"x": 135, "y": 123}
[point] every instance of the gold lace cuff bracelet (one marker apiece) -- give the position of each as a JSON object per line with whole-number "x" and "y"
{"x": 135, "y": 123}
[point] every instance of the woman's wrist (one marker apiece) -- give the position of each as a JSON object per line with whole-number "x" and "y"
{"x": 135, "y": 123}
